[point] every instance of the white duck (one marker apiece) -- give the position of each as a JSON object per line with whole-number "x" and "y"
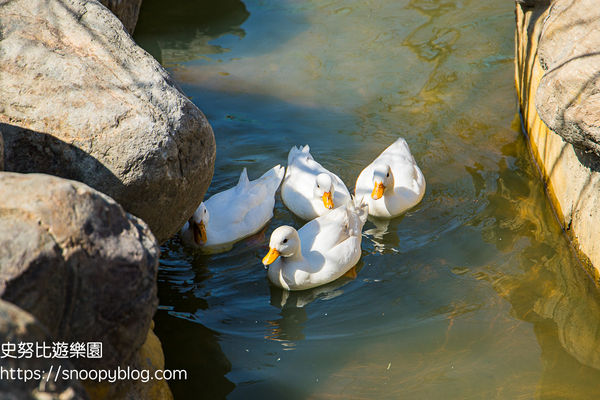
{"x": 392, "y": 183}
{"x": 233, "y": 214}
{"x": 308, "y": 189}
{"x": 320, "y": 252}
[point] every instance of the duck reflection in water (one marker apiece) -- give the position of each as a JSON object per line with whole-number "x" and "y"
{"x": 383, "y": 234}
{"x": 290, "y": 326}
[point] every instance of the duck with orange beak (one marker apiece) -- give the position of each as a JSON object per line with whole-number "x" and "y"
{"x": 320, "y": 252}
{"x": 393, "y": 183}
{"x": 233, "y": 214}
{"x": 308, "y": 189}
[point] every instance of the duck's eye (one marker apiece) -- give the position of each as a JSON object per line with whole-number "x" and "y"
{"x": 285, "y": 240}
{"x": 204, "y": 211}
{"x": 388, "y": 175}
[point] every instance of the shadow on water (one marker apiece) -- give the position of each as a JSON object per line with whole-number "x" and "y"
{"x": 190, "y": 30}
{"x": 182, "y": 30}
{"x": 257, "y": 131}
{"x": 194, "y": 348}
{"x": 187, "y": 343}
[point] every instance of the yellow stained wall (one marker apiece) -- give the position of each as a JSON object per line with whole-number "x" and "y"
{"x": 573, "y": 189}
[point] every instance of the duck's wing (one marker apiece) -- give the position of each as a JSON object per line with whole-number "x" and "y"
{"x": 257, "y": 199}
{"x": 347, "y": 252}
{"x": 325, "y": 232}
{"x": 232, "y": 206}
{"x": 396, "y": 152}
{"x": 271, "y": 179}
{"x": 344, "y": 255}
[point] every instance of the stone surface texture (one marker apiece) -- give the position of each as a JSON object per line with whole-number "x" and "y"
{"x": 18, "y": 326}
{"x": 75, "y": 260}
{"x": 570, "y": 175}
{"x": 568, "y": 95}
{"x": 81, "y": 100}
{"x": 126, "y": 10}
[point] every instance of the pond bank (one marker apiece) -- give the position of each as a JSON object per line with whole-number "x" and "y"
{"x": 555, "y": 81}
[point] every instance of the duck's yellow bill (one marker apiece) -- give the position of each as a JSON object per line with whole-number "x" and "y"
{"x": 270, "y": 257}
{"x": 378, "y": 191}
{"x": 199, "y": 232}
{"x": 327, "y": 200}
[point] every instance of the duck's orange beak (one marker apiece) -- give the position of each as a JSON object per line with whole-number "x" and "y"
{"x": 327, "y": 200}
{"x": 199, "y": 231}
{"x": 378, "y": 191}
{"x": 270, "y": 257}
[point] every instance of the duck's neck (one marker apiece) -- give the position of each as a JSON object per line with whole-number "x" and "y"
{"x": 294, "y": 258}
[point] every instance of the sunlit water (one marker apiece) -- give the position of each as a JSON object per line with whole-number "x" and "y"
{"x": 473, "y": 294}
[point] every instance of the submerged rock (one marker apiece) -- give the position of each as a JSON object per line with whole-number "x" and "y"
{"x": 126, "y": 10}
{"x": 1, "y": 153}
{"x": 568, "y": 96}
{"x": 74, "y": 259}
{"x": 18, "y": 326}
{"x": 82, "y": 101}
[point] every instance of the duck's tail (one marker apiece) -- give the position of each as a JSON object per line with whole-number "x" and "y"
{"x": 273, "y": 177}
{"x": 358, "y": 210}
{"x": 298, "y": 151}
{"x": 243, "y": 182}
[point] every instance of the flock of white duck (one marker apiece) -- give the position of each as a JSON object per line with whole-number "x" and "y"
{"x": 329, "y": 245}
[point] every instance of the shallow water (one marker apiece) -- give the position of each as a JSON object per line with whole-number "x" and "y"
{"x": 472, "y": 294}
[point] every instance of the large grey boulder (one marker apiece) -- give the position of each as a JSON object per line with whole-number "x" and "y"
{"x": 568, "y": 97}
{"x": 81, "y": 100}
{"x": 126, "y": 10}
{"x": 18, "y": 326}
{"x": 74, "y": 259}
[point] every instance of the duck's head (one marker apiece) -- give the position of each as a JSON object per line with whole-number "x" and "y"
{"x": 285, "y": 242}
{"x": 198, "y": 224}
{"x": 382, "y": 180}
{"x": 324, "y": 190}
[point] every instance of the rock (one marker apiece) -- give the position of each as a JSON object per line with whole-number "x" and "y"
{"x": 82, "y": 101}
{"x": 568, "y": 97}
{"x": 74, "y": 259}
{"x": 571, "y": 177}
{"x": 126, "y": 10}
{"x": 18, "y": 326}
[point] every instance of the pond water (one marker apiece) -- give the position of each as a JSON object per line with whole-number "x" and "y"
{"x": 472, "y": 294}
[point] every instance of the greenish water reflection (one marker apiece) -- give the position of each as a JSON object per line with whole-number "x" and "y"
{"x": 473, "y": 294}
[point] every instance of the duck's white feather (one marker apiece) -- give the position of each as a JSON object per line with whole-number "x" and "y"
{"x": 330, "y": 245}
{"x": 238, "y": 212}
{"x": 299, "y": 182}
{"x": 409, "y": 182}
